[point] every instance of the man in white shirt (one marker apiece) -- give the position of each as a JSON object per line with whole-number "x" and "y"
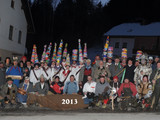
{"x": 35, "y": 74}
{"x": 89, "y": 91}
{"x": 46, "y": 71}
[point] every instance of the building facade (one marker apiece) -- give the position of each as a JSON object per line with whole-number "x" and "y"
{"x": 135, "y": 36}
{"x": 13, "y": 27}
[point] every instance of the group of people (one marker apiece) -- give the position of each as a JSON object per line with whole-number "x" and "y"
{"x": 102, "y": 82}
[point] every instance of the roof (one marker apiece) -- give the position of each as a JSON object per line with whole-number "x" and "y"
{"x": 27, "y": 11}
{"x": 135, "y": 29}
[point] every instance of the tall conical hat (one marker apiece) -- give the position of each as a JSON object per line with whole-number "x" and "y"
{"x": 80, "y": 51}
{"x": 68, "y": 60}
{"x": 65, "y": 51}
{"x": 110, "y": 52}
{"x": 47, "y": 58}
{"x": 139, "y": 54}
{"x": 74, "y": 54}
{"x": 54, "y": 57}
{"x": 106, "y": 47}
{"x": 85, "y": 50}
{"x": 124, "y": 53}
{"x": 59, "y": 53}
{"x": 44, "y": 53}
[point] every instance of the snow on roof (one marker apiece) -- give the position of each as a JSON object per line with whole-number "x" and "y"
{"x": 135, "y": 29}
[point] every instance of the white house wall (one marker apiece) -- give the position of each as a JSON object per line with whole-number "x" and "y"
{"x": 121, "y": 40}
{"x": 15, "y": 17}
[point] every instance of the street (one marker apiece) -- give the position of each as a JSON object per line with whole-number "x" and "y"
{"x": 85, "y": 116}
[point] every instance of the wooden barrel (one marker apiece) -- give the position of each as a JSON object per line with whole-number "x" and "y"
{"x": 60, "y": 102}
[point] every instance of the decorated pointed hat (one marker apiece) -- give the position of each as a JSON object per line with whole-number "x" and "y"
{"x": 85, "y": 51}
{"x": 139, "y": 54}
{"x": 54, "y": 57}
{"x": 110, "y": 52}
{"x": 44, "y": 53}
{"x": 47, "y": 57}
{"x": 59, "y": 53}
{"x": 124, "y": 53}
{"x": 74, "y": 54}
{"x": 68, "y": 60}
{"x": 34, "y": 57}
{"x": 65, "y": 51}
{"x": 80, "y": 51}
{"x": 106, "y": 48}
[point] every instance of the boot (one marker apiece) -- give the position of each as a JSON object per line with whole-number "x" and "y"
{"x": 99, "y": 103}
{"x": 104, "y": 106}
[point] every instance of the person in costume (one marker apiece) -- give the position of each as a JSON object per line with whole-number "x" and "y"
{"x": 116, "y": 69}
{"x": 71, "y": 87}
{"x": 109, "y": 62}
{"x": 127, "y": 89}
{"x": 24, "y": 88}
{"x": 155, "y": 79}
{"x": 8, "y": 92}
{"x": 7, "y": 63}
{"x": 150, "y": 61}
{"x": 156, "y": 59}
{"x": 144, "y": 92}
{"x": 56, "y": 86}
{"x": 35, "y": 74}
{"x": 102, "y": 91}
{"x": 79, "y": 68}
{"x": 53, "y": 64}
{"x": 63, "y": 62}
{"x": 55, "y": 71}
{"x": 115, "y": 85}
{"x": 123, "y": 63}
{"x": 102, "y": 71}
{"x": 15, "y": 70}
{"x": 96, "y": 61}
{"x": 28, "y": 63}
{"x": 86, "y": 71}
{"x": 130, "y": 70}
{"x": 46, "y": 71}
{"x": 142, "y": 69}
{"x": 126, "y": 93}
{"x": 65, "y": 74}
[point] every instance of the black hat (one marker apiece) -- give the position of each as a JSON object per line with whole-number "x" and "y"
{"x": 116, "y": 57}
{"x": 9, "y": 79}
{"x": 36, "y": 64}
{"x": 130, "y": 59}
